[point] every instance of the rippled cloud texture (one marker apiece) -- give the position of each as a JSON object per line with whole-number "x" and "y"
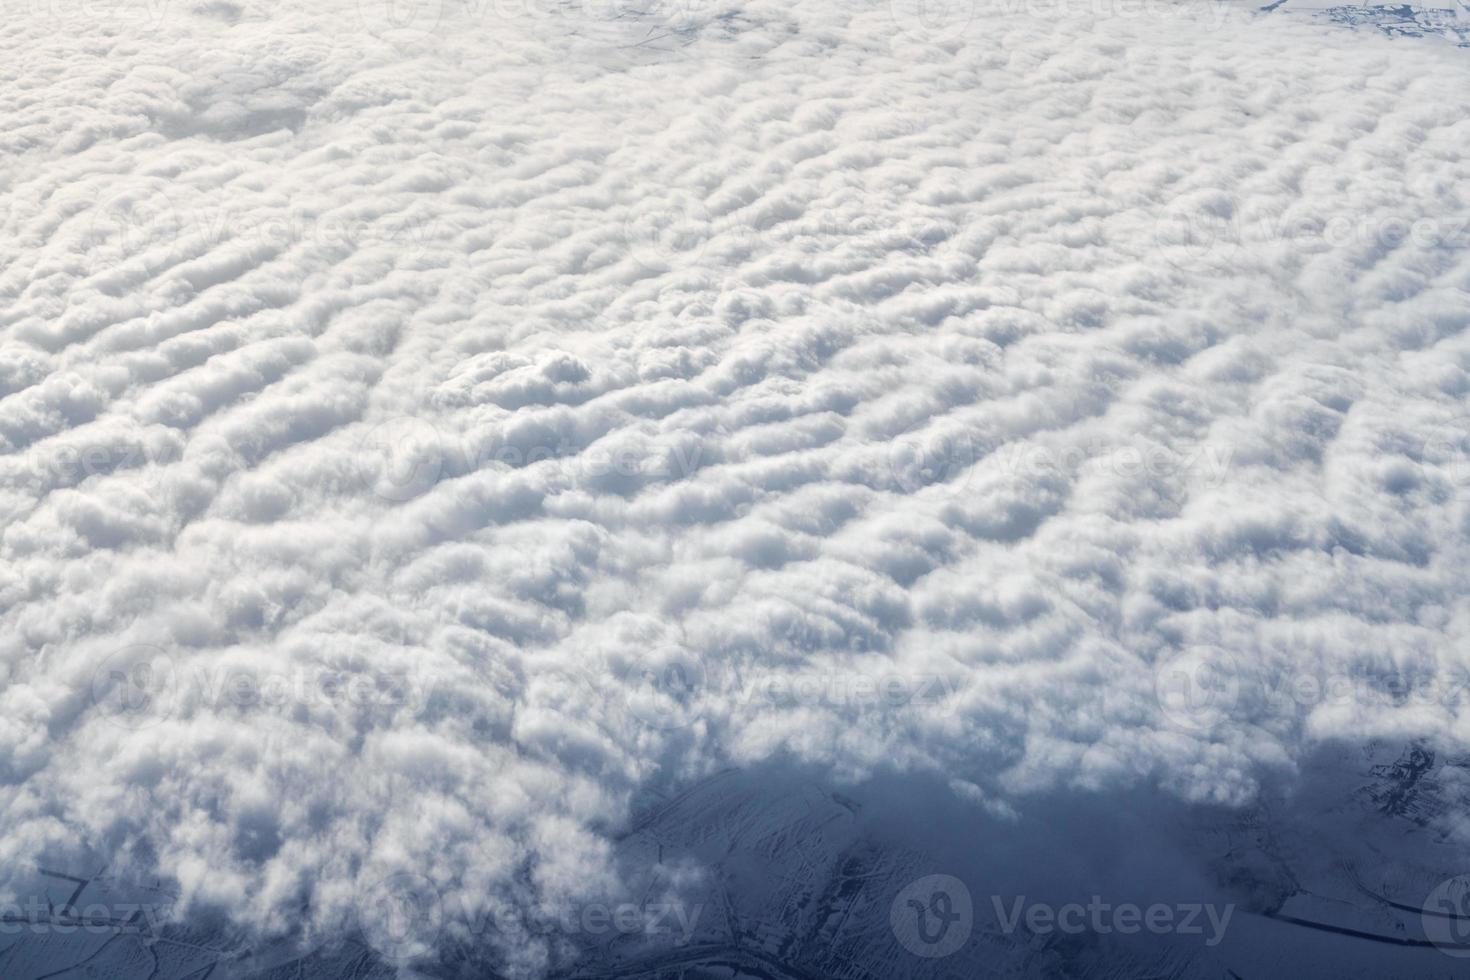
{"x": 423, "y": 428}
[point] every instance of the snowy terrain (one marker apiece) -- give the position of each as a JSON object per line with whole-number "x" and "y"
{"x": 470, "y": 470}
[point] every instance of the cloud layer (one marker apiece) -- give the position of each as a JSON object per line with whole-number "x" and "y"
{"x": 421, "y": 431}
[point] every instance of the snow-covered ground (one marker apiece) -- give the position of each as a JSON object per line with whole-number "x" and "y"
{"x": 1444, "y": 20}
{"x": 438, "y": 440}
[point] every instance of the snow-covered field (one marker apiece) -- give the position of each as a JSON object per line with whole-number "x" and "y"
{"x": 436, "y": 435}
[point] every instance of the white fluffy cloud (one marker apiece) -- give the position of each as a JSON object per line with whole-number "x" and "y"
{"x": 417, "y": 435}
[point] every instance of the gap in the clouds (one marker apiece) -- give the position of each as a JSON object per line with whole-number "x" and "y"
{"x": 1224, "y": 884}
{"x": 781, "y": 871}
